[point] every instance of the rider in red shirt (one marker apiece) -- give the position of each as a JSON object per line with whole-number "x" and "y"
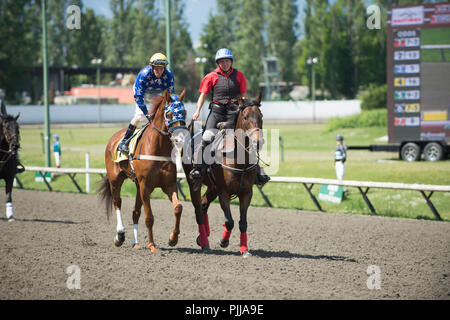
{"x": 227, "y": 85}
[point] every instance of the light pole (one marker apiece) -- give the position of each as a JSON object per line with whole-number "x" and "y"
{"x": 312, "y": 61}
{"x": 201, "y": 61}
{"x": 45, "y": 84}
{"x": 98, "y": 62}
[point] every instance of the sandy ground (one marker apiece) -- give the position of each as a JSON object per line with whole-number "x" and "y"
{"x": 296, "y": 255}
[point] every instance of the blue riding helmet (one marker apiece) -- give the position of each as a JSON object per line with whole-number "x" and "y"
{"x": 56, "y": 137}
{"x": 178, "y": 112}
{"x": 224, "y": 53}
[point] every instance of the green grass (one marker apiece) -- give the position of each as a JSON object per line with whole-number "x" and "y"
{"x": 308, "y": 152}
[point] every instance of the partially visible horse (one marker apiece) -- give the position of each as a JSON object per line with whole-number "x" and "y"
{"x": 228, "y": 178}
{"x": 9, "y": 146}
{"x": 151, "y": 166}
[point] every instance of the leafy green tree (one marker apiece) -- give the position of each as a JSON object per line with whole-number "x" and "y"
{"x": 19, "y": 45}
{"x": 249, "y": 47}
{"x": 281, "y": 35}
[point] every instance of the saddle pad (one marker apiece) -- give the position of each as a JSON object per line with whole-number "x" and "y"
{"x": 120, "y": 156}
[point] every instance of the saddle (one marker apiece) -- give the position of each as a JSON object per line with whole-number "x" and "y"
{"x": 120, "y": 156}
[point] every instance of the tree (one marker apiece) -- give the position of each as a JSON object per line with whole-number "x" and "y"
{"x": 281, "y": 35}
{"x": 249, "y": 48}
{"x": 121, "y": 32}
{"x": 20, "y": 44}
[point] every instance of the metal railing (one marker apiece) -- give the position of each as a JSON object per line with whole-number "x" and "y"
{"x": 308, "y": 183}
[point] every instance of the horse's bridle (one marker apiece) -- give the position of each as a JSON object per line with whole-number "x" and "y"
{"x": 8, "y": 138}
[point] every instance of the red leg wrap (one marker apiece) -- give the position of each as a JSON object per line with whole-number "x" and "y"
{"x": 203, "y": 235}
{"x": 205, "y": 217}
{"x": 226, "y": 234}
{"x": 243, "y": 242}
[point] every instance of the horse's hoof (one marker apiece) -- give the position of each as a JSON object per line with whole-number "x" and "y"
{"x": 136, "y": 246}
{"x": 173, "y": 240}
{"x": 152, "y": 248}
{"x": 11, "y": 219}
{"x": 246, "y": 254}
{"x": 206, "y": 248}
{"x": 119, "y": 239}
{"x": 224, "y": 243}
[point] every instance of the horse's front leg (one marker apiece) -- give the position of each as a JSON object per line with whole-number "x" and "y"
{"x": 172, "y": 193}
{"x": 244, "y": 202}
{"x": 224, "y": 199}
{"x": 149, "y": 218}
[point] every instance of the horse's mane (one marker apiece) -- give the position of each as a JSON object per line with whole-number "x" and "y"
{"x": 156, "y": 102}
{"x": 8, "y": 117}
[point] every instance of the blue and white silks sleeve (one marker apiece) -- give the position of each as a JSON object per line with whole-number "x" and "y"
{"x": 140, "y": 85}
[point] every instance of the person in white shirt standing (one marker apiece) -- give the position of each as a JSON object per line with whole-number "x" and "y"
{"x": 340, "y": 156}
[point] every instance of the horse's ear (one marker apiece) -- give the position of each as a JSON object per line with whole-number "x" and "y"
{"x": 167, "y": 96}
{"x": 259, "y": 97}
{"x": 17, "y": 117}
{"x": 240, "y": 101}
{"x": 182, "y": 94}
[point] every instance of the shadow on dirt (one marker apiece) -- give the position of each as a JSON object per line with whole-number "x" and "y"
{"x": 262, "y": 254}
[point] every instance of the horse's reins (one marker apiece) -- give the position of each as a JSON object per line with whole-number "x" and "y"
{"x": 247, "y": 150}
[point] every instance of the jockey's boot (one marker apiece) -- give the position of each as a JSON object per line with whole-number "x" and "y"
{"x": 123, "y": 145}
{"x": 261, "y": 177}
{"x": 199, "y": 168}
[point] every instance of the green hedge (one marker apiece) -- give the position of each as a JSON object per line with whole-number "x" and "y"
{"x": 375, "y": 99}
{"x": 372, "y": 118}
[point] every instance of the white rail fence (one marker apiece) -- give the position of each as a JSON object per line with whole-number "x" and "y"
{"x": 308, "y": 183}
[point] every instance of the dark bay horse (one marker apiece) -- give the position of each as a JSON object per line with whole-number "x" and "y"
{"x": 9, "y": 146}
{"x": 153, "y": 167}
{"x": 231, "y": 178}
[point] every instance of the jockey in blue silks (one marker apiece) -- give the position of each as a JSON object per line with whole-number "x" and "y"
{"x": 154, "y": 79}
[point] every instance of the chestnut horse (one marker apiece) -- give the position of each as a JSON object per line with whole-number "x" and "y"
{"x": 228, "y": 178}
{"x": 151, "y": 167}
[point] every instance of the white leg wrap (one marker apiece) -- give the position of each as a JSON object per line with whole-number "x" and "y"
{"x": 120, "y": 227}
{"x": 135, "y": 233}
{"x": 9, "y": 210}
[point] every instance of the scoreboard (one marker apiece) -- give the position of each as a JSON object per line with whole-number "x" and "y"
{"x": 418, "y": 73}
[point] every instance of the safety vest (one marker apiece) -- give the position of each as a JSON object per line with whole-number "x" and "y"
{"x": 226, "y": 88}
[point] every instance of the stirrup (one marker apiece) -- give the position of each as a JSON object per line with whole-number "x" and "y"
{"x": 20, "y": 168}
{"x": 195, "y": 174}
{"x": 261, "y": 180}
{"x": 123, "y": 147}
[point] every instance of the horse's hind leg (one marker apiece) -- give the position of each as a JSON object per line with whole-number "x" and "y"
{"x": 9, "y": 206}
{"x": 136, "y": 216}
{"x": 145, "y": 192}
{"x": 116, "y": 185}
{"x": 172, "y": 193}
{"x": 202, "y": 240}
{"x": 224, "y": 200}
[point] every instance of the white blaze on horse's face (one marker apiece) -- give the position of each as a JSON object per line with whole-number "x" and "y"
{"x": 254, "y": 128}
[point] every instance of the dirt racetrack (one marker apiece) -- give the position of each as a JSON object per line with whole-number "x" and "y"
{"x": 296, "y": 254}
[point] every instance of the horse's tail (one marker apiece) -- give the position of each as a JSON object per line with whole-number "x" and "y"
{"x": 106, "y": 196}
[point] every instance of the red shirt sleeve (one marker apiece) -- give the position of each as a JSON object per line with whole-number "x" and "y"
{"x": 208, "y": 82}
{"x": 242, "y": 82}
